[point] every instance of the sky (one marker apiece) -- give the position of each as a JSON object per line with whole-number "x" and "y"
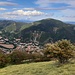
{"x": 34, "y": 10}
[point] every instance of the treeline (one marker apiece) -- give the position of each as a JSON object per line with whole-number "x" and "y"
{"x": 61, "y": 50}
{"x": 18, "y": 57}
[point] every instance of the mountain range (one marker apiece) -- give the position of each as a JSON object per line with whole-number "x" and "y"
{"x": 43, "y": 31}
{"x": 70, "y": 22}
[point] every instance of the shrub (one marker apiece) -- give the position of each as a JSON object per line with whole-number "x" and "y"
{"x": 17, "y": 57}
{"x": 62, "y": 50}
{"x": 37, "y": 57}
{"x": 3, "y": 60}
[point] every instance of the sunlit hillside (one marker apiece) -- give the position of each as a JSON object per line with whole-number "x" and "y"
{"x": 41, "y": 68}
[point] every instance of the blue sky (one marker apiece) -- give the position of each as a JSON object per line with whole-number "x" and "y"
{"x": 37, "y": 9}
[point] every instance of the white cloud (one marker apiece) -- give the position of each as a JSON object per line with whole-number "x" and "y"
{"x": 42, "y": 3}
{"x": 68, "y": 12}
{"x": 32, "y": 14}
{"x": 29, "y": 9}
{"x": 1, "y": 9}
{"x": 66, "y": 15}
{"x": 8, "y": 4}
{"x": 21, "y": 14}
{"x": 25, "y": 13}
{"x": 49, "y": 8}
{"x": 46, "y": 3}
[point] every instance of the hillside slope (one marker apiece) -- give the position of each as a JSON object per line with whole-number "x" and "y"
{"x": 5, "y": 23}
{"x": 41, "y": 68}
{"x": 48, "y": 30}
{"x": 43, "y": 31}
{"x": 13, "y": 26}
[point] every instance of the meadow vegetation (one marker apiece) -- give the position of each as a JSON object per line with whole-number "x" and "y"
{"x": 40, "y": 68}
{"x": 58, "y": 59}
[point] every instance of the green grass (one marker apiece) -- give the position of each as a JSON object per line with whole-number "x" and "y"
{"x": 25, "y": 26}
{"x": 40, "y": 68}
{"x": 10, "y": 28}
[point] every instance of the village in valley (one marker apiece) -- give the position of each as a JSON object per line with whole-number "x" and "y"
{"x": 8, "y": 46}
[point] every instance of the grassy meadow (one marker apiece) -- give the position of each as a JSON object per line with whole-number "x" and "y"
{"x": 39, "y": 68}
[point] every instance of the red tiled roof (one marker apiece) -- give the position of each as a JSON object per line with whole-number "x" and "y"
{"x": 1, "y": 42}
{"x": 7, "y": 46}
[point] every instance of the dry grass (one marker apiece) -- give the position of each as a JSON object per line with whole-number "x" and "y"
{"x": 41, "y": 68}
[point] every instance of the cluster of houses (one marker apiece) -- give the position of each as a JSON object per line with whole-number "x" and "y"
{"x": 7, "y": 47}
